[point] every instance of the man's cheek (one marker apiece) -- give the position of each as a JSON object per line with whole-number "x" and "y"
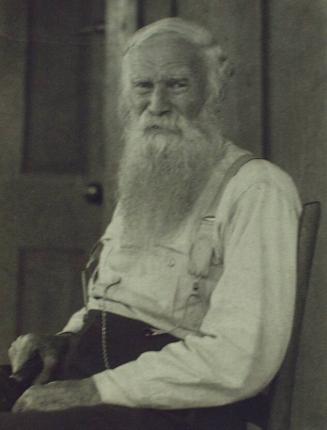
{"x": 137, "y": 105}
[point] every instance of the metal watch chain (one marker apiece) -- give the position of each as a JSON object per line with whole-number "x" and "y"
{"x": 104, "y": 332}
{"x": 104, "y": 339}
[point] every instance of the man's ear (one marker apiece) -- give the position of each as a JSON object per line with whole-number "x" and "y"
{"x": 220, "y": 71}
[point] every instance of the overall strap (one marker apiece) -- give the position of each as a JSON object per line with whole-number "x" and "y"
{"x": 230, "y": 173}
{"x": 202, "y": 248}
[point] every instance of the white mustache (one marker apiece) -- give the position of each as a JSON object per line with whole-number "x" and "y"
{"x": 166, "y": 123}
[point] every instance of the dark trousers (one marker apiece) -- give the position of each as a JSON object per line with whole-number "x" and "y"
{"x": 126, "y": 340}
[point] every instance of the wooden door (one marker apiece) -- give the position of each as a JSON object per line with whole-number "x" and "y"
{"x": 51, "y": 86}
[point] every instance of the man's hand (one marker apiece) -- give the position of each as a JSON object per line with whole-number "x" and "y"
{"x": 59, "y": 395}
{"x": 50, "y": 349}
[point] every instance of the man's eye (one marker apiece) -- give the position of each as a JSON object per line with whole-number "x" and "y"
{"x": 143, "y": 86}
{"x": 177, "y": 85}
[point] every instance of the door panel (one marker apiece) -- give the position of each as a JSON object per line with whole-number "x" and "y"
{"x": 51, "y": 142}
{"x": 51, "y": 128}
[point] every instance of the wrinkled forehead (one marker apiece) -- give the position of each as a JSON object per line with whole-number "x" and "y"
{"x": 164, "y": 53}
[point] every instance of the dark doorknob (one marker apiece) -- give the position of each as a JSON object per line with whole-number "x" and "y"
{"x": 94, "y": 193}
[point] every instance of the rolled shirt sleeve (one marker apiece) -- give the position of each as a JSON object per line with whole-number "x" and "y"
{"x": 248, "y": 323}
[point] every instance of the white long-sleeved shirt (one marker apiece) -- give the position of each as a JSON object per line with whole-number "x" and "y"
{"x": 240, "y": 341}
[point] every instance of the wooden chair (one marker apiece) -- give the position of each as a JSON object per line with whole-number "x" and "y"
{"x": 272, "y": 410}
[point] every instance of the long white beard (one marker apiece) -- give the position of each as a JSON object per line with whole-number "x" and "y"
{"x": 165, "y": 165}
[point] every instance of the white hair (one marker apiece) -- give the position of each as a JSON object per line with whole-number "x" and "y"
{"x": 217, "y": 64}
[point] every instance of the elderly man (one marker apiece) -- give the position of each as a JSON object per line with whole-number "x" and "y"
{"x": 191, "y": 289}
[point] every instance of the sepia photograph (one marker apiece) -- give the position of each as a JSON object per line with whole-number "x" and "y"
{"x": 163, "y": 229}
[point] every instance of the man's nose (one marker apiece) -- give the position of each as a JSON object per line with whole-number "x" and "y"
{"x": 159, "y": 102}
